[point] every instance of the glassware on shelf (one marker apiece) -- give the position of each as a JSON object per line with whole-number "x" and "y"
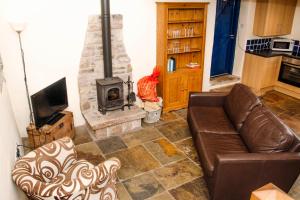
{"x": 176, "y": 47}
{"x": 176, "y": 33}
{"x": 192, "y": 31}
{"x": 186, "y": 48}
{"x": 189, "y": 32}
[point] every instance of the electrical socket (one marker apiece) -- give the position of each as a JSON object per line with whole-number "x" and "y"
{"x": 18, "y": 152}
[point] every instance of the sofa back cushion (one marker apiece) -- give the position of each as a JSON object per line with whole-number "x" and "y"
{"x": 239, "y": 103}
{"x": 263, "y": 132}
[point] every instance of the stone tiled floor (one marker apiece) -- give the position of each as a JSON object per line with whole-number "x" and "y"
{"x": 285, "y": 107}
{"x": 223, "y": 79}
{"x": 159, "y": 161}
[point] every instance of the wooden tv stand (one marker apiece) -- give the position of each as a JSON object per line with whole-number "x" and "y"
{"x": 47, "y": 133}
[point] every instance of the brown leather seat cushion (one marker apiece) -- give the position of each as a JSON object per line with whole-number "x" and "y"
{"x": 263, "y": 132}
{"x": 239, "y": 103}
{"x": 211, "y": 119}
{"x": 211, "y": 144}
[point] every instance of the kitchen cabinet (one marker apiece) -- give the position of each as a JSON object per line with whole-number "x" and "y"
{"x": 260, "y": 73}
{"x": 175, "y": 91}
{"x": 274, "y": 17}
{"x": 178, "y": 86}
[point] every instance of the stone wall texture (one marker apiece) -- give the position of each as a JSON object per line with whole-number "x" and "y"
{"x": 91, "y": 63}
{"x": 91, "y": 68}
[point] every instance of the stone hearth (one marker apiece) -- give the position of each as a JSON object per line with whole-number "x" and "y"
{"x": 91, "y": 68}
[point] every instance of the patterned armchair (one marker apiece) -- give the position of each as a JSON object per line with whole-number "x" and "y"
{"x": 52, "y": 172}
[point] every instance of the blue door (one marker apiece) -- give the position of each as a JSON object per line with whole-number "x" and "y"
{"x": 226, "y": 25}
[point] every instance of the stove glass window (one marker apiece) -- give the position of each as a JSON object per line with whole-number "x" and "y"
{"x": 113, "y": 94}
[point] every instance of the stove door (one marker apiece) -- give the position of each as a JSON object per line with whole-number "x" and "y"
{"x": 113, "y": 94}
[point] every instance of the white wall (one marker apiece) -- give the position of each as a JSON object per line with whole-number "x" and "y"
{"x": 296, "y": 28}
{"x": 9, "y": 137}
{"x": 245, "y": 31}
{"x": 53, "y": 41}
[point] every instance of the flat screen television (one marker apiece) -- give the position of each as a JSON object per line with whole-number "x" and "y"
{"x": 49, "y": 102}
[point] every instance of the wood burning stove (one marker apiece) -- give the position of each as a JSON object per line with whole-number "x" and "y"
{"x": 110, "y": 89}
{"x": 110, "y": 94}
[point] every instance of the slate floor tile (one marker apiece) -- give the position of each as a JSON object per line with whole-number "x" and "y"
{"x": 81, "y": 135}
{"x": 182, "y": 113}
{"x": 162, "y": 196}
{"x": 164, "y": 151}
{"x": 175, "y": 131}
{"x": 90, "y": 152}
{"x": 274, "y": 97}
{"x": 169, "y": 116}
{"x": 295, "y": 190}
{"x": 111, "y": 144}
{"x": 293, "y": 121}
{"x": 187, "y": 146}
{"x": 275, "y": 108}
{"x": 143, "y": 186}
{"x": 195, "y": 190}
{"x": 122, "y": 192}
{"x": 141, "y": 136}
{"x": 176, "y": 174}
{"x": 135, "y": 161}
{"x": 292, "y": 107}
{"x": 224, "y": 79}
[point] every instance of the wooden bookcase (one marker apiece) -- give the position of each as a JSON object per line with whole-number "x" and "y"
{"x": 181, "y": 29}
{"x": 47, "y": 133}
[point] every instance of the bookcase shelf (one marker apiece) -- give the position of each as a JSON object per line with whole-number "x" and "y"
{"x": 181, "y": 29}
{"x": 185, "y": 52}
{"x": 184, "y": 37}
{"x": 186, "y": 21}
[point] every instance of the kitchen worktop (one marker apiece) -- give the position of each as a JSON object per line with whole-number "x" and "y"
{"x": 270, "y": 53}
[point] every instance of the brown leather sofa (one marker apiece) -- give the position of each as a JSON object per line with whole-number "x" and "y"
{"x": 241, "y": 144}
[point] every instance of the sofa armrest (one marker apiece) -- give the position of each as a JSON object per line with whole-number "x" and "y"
{"x": 100, "y": 178}
{"x": 107, "y": 172}
{"x": 237, "y": 175}
{"x": 206, "y": 98}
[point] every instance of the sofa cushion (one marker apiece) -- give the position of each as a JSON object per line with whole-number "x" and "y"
{"x": 263, "y": 132}
{"x": 239, "y": 103}
{"x": 210, "y": 119}
{"x": 209, "y": 145}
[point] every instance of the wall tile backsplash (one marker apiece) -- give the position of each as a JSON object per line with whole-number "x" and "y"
{"x": 265, "y": 44}
{"x": 296, "y": 49}
{"x": 258, "y": 44}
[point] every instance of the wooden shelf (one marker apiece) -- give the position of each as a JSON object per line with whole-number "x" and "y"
{"x": 195, "y": 36}
{"x": 183, "y": 52}
{"x": 174, "y": 87}
{"x": 185, "y": 21}
{"x": 184, "y": 69}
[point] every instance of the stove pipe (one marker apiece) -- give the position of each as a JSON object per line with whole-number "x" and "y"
{"x": 106, "y": 38}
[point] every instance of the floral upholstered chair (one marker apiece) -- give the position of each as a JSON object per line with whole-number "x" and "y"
{"x": 52, "y": 172}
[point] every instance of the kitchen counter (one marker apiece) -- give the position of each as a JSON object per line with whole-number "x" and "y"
{"x": 261, "y": 71}
{"x": 270, "y": 53}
